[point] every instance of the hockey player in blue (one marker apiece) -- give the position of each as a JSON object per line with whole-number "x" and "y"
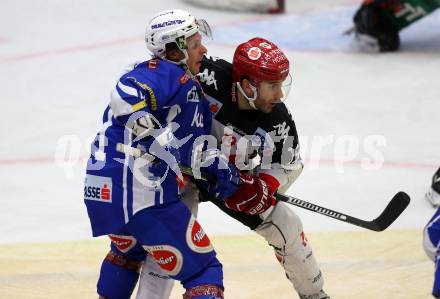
{"x": 157, "y": 109}
{"x": 431, "y": 236}
{"x": 431, "y": 244}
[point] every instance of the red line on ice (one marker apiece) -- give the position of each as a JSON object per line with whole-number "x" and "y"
{"x": 387, "y": 164}
{"x": 117, "y": 42}
{"x": 79, "y": 48}
{"x": 323, "y": 161}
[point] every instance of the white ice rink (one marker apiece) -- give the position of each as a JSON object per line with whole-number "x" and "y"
{"x": 59, "y": 61}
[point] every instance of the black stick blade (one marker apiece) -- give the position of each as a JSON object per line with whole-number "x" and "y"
{"x": 396, "y": 206}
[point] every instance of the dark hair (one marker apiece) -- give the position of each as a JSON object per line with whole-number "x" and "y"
{"x": 171, "y": 46}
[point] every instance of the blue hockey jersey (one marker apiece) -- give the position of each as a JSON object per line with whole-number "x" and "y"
{"x": 117, "y": 184}
{"x": 431, "y": 244}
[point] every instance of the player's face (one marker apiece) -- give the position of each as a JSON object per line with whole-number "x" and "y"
{"x": 195, "y": 51}
{"x": 269, "y": 94}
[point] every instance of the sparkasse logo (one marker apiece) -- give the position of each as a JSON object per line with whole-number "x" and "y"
{"x": 98, "y": 188}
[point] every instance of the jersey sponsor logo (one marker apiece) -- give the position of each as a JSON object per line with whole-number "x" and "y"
{"x": 254, "y": 53}
{"x": 169, "y": 258}
{"x": 196, "y": 237}
{"x": 197, "y": 119}
{"x": 214, "y": 108}
{"x": 208, "y": 78}
{"x": 214, "y": 105}
{"x": 193, "y": 95}
{"x": 98, "y": 188}
{"x": 184, "y": 79}
{"x": 123, "y": 243}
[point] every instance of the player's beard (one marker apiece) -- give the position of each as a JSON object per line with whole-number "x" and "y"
{"x": 267, "y": 107}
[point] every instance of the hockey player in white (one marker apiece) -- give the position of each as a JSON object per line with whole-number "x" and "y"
{"x": 254, "y": 108}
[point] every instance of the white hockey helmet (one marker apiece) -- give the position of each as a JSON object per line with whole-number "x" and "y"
{"x": 173, "y": 26}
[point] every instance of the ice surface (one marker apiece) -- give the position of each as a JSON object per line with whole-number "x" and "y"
{"x": 60, "y": 59}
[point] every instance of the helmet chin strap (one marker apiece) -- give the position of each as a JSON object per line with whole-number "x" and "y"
{"x": 250, "y": 100}
{"x": 183, "y": 62}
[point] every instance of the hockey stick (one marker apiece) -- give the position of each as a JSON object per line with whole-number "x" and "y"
{"x": 392, "y": 211}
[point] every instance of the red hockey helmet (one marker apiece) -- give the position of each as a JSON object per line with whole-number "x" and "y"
{"x": 259, "y": 60}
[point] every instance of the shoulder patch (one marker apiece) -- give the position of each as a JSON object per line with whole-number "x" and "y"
{"x": 152, "y": 64}
{"x": 184, "y": 79}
